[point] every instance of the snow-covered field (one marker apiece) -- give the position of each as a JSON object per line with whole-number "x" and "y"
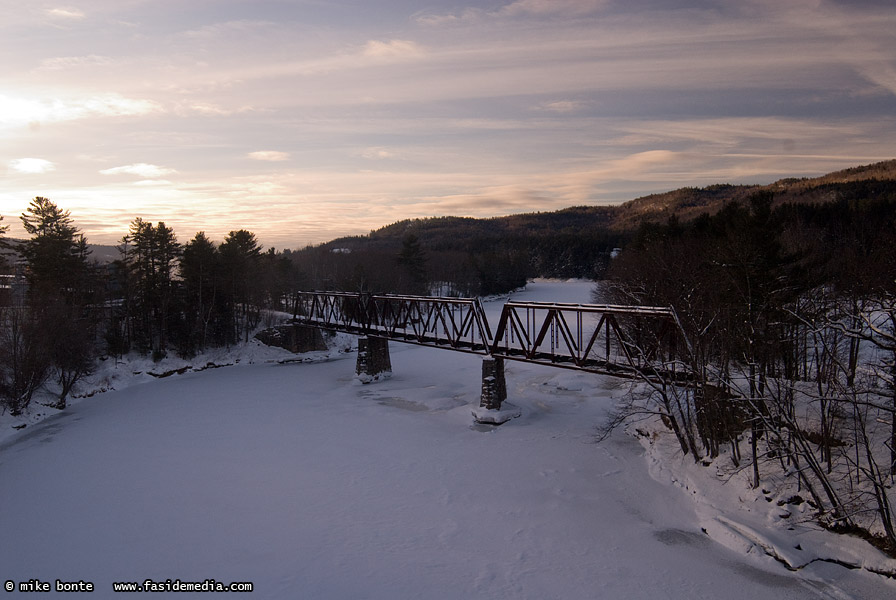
{"x": 300, "y": 479}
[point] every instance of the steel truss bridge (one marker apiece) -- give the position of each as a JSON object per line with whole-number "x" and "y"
{"x": 621, "y": 341}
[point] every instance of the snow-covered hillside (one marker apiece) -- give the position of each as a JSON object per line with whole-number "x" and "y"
{"x": 303, "y": 481}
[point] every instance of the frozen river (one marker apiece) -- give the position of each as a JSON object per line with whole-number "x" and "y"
{"x": 308, "y": 484}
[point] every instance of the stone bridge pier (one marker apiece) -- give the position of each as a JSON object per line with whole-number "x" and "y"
{"x": 374, "y": 362}
{"x": 491, "y": 410}
{"x": 494, "y": 386}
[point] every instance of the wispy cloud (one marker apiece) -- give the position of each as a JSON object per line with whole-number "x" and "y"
{"x": 517, "y": 8}
{"x": 16, "y": 111}
{"x": 734, "y": 132}
{"x": 152, "y": 182}
{"x": 209, "y": 109}
{"x": 65, "y": 12}
{"x": 553, "y": 7}
{"x": 140, "y": 170}
{"x": 562, "y": 106}
{"x": 31, "y": 165}
{"x": 228, "y": 29}
{"x": 61, "y": 63}
{"x": 269, "y": 155}
{"x": 433, "y": 19}
{"x": 377, "y": 153}
{"x": 351, "y": 59}
{"x": 881, "y": 74}
{"x": 392, "y": 50}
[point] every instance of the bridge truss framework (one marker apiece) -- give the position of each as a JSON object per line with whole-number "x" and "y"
{"x": 620, "y": 341}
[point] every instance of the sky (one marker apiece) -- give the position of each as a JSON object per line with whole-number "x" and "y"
{"x": 306, "y": 120}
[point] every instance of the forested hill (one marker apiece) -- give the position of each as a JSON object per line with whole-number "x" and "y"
{"x": 858, "y": 183}
{"x": 440, "y": 233}
{"x": 470, "y": 256}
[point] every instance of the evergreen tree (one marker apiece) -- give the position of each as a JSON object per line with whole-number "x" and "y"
{"x": 56, "y": 254}
{"x": 412, "y": 260}
{"x": 199, "y": 270}
{"x": 151, "y": 253}
{"x": 279, "y": 278}
{"x": 240, "y": 254}
{"x": 53, "y": 332}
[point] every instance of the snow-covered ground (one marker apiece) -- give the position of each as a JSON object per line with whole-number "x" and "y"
{"x": 301, "y": 480}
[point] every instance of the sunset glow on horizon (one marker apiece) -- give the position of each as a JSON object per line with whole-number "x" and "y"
{"x": 306, "y": 120}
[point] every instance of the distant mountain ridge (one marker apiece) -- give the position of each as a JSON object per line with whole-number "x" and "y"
{"x": 685, "y": 203}
{"x": 689, "y": 203}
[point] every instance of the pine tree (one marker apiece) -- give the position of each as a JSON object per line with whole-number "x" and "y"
{"x": 412, "y": 259}
{"x": 240, "y": 253}
{"x": 56, "y": 254}
{"x": 53, "y": 332}
{"x": 199, "y": 270}
{"x": 151, "y": 253}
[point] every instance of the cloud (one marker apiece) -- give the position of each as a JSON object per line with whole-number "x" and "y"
{"x": 16, "y": 111}
{"x": 392, "y": 50}
{"x": 208, "y": 109}
{"x": 518, "y": 8}
{"x": 881, "y": 74}
{"x": 269, "y": 155}
{"x": 139, "y": 169}
{"x": 65, "y": 12}
{"x": 351, "y": 59}
{"x": 437, "y": 20}
{"x": 636, "y": 165}
{"x": 114, "y": 105}
{"x": 486, "y": 201}
{"x": 31, "y": 165}
{"x": 377, "y": 153}
{"x": 152, "y": 182}
{"x": 61, "y": 63}
{"x": 552, "y": 7}
{"x": 228, "y": 29}
{"x": 562, "y": 106}
{"x": 732, "y": 132}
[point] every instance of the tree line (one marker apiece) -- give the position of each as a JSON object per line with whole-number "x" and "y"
{"x": 465, "y": 256}
{"x": 790, "y": 311}
{"x": 160, "y": 296}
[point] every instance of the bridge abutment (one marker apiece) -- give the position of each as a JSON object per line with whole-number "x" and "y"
{"x": 374, "y": 362}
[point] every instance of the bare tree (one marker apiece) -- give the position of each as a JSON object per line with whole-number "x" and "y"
{"x": 25, "y": 359}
